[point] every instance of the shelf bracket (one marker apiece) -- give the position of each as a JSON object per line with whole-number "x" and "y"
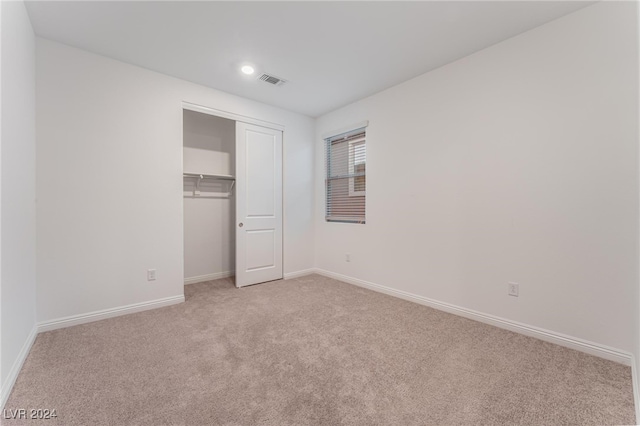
{"x": 196, "y": 191}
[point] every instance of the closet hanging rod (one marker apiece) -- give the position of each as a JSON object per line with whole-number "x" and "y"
{"x": 205, "y": 176}
{"x": 201, "y": 176}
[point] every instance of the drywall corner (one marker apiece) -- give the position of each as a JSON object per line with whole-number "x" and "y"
{"x": 17, "y": 190}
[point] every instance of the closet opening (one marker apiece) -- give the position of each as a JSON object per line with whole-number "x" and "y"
{"x": 208, "y": 196}
{"x": 232, "y": 193}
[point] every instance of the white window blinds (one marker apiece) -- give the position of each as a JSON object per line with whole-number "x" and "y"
{"x": 346, "y": 163}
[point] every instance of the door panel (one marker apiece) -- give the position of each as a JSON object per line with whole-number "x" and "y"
{"x": 260, "y": 248}
{"x": 260, "y": 173}
{"x": 258, "y": 204}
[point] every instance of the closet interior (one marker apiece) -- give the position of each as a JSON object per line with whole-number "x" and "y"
{"x": 209, "y": 196}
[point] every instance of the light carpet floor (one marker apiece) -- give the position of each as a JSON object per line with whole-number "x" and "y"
{"x": 311, "y": 351}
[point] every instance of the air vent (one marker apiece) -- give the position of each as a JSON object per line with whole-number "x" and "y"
{"x": 276, "y": 81}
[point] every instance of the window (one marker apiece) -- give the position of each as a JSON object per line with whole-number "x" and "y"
{"x": 346, "y": 161}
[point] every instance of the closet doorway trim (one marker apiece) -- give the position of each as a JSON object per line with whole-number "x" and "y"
{"x": 237, "y": 117}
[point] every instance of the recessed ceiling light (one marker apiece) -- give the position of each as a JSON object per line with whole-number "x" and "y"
{"x": 247, "y": 69}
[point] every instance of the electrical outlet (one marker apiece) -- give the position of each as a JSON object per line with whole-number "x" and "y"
{"x": 513, "y": 289}
{"x": 347, "y": 257}
{"x": 151, "y": 274}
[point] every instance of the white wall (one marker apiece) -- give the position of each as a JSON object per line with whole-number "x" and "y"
{"x": 17, "y": 189}
{"x": 2, "y": 391}
{"x": 518, "y": 163}
{"x": 636, "y": 323}
{"x": 110, "y": 205}
{"x": 209, "y": 219}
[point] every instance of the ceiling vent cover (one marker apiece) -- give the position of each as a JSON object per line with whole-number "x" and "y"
{"x": 276, "y": 81}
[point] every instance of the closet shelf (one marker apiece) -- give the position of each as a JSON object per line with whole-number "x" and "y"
{"x": 206, "y": 176}
{"x": 201, "y": 176}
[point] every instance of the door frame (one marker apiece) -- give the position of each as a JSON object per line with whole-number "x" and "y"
{"x": 231, "y": 116}
{"x": 190, "y": 106}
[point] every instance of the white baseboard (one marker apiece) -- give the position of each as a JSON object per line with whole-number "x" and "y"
{"x": 7, "y": 386}
{"x": 108, "y": 313}
{"x": 219, "y": 275}
{"x": 208, "y": 277}
{"x": 298, "y": 274}
{"x": 581, "y": 345}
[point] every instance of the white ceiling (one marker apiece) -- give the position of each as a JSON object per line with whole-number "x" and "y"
{"x": 331, "y": 53}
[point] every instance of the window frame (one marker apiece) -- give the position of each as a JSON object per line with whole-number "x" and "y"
{"x": 333, "y": 210}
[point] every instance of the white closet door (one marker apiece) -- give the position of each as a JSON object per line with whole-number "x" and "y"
{"x": 258, "y": 204}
